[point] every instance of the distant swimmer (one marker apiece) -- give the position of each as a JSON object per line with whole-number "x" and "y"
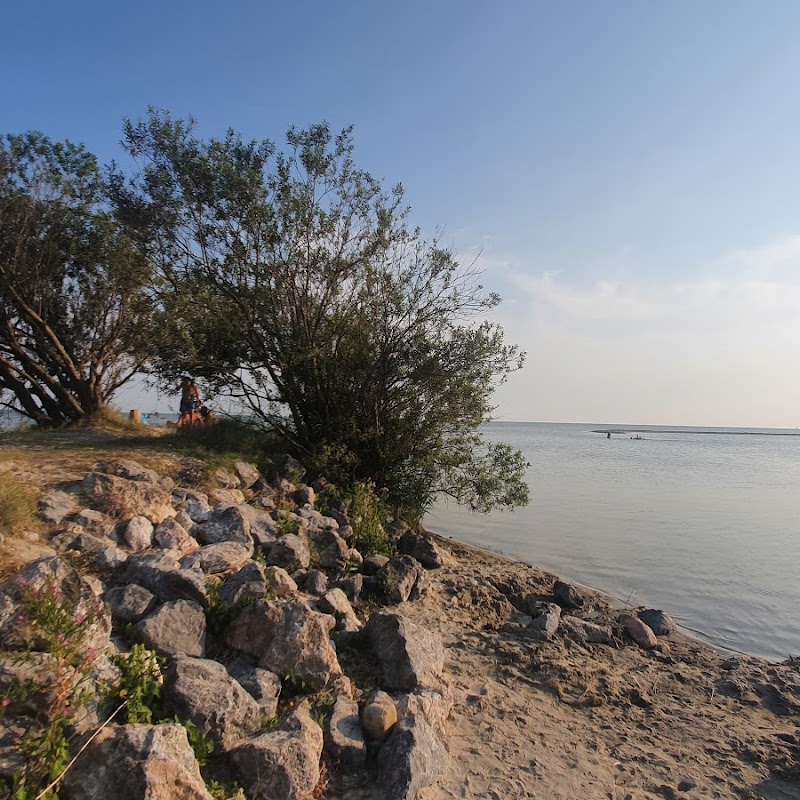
{"x": 608, "y": 435}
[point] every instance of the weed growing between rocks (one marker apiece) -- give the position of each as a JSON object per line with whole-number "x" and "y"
{"x": 368, "y": 513}
{"x": 17, "y": 506}
{"x": 53, "y": 629}
{"x": 139, "y": 685}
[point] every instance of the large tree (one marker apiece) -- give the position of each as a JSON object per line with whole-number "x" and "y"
{"x": 293, "y": 281}
{"x": 73, "y": 306}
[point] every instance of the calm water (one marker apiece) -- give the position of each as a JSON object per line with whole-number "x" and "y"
{"x": 706, "y": 527}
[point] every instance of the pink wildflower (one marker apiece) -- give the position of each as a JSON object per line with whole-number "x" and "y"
{"x": 6, "y": 702}
{"x": 21, "y": 581}
{"x": 91, "y": 652}
{"x": 79, "y": 619}
{"x": 67, "y": 711}
{"x": 20, "y": 619}
{"x": 60, "y": 637}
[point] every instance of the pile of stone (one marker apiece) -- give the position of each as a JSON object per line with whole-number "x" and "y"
{"x": 247, "y": 591}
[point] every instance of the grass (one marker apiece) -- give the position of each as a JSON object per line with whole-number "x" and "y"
{"x": 17, "y": 506}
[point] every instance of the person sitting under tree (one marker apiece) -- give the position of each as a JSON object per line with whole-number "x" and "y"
{"x": 190, "y": 403}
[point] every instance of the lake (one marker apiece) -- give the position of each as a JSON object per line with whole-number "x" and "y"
{"x": 703, "y": 525}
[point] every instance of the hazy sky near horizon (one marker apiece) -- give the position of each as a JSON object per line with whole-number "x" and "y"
{"x": 627, "y": 172}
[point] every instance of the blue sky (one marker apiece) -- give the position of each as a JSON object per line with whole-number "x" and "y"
{"x": 628, "y": 171}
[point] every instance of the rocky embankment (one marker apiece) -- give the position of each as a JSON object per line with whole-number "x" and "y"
{"x": 294, "y": 666}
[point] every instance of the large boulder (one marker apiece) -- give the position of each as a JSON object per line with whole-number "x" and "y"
{"x": 282, "y": 764}
{"x": 421, "y": 547}
{"x": 433, "y": 705}
{"x": 335, "y": 603}
{"x": 279, "y": 583}
{"x": 134, "y": 471}
{"x": 398, "y": 577}
{"x": 176, "y": 628}
{"x": 290, "y": 552}
{"x": 202, "y": 690}
{"x": 51, "y": 577}
{"x": 262, "y": 526}
{"x": 246, "y": 473}
{"x": 659, "y": 622}
{"x": 171, "y": 535}
{"x": 641, "y": 633}
{"x": 225, "y": 525}
{"x": 411, "y": 760}
{"x": 409, "y": 655}
{"x": 244, "y": 586}
{"x": 264, "y": 686}
{"x": 287, "y": 637}
{"x": 137, "y": 761}
{"x": 195, "y": 504}
{"x": 218, "y": 558}
{"x": 345, "y": 739}
{"x": 138, "y": 533}
{"x": 121, "y": 497}
{"x": 329, "y": 549}
{"x": 161, "y": 573}
{"x": 54, "y": 507}
{"x": 129, "y": 603}
{"x": 567, "y": 596}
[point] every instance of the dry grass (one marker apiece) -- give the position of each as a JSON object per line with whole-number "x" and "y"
{"x": 17, "y": 505}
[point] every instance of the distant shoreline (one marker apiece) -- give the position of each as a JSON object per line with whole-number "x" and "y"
{"x": 693, "y": 433}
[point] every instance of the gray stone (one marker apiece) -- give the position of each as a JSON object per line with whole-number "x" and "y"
{"x": 123, "y": 498}
{"x": 544, "y": 624}
{"x": 264, "y": 686}
{"x": 409, "y": 655}
{"x": 413, "y": 759}
{"x": 352, "y": 586}
{"x": 225, "y": 479}
{"x": 345, "y": 740}
{"x": 567, "y": 595}
{"x": 176, "y": 628}
{"x": 335, "y": 602}
{"x": 290, "y": 552}
{"x": 282, "y": 764}
{"x": 224, "y": 498}
{"x": 134, "y": 471}
{"x": 215, "y": 559}
{"x": 660, "y": 623}
{"x": 54, "y": 507}
{"x": 585, "y": 631}
{"x": 138, "y": 533}
{"x": 173, "y": 536}
{"x": 421, "y": 547}
{"x": 94, "y": 522}
{"x": 304, "y": 495}
{"x": 162, "y": 575}
{"x": 262, "y": 526}
{"x": 374, "y": 564}
{"x": 279, "y": 583}
{"x": 398, "y": 577}
{"x": 316, "y": 582}
{"x": 433, "y": 705}
{"x": 244, "y": 586}
{"x": 246, "y": 473}
{"x": 379, "y": 716}
{"x": 130, "y": 603}
{"x": 137, "y": 761}
{"x": 202, "y": 690}
{"x": 329, "y": 550}
{"x": 184, "y": 520}
{"x": 638, "y": 631}
{"x": 195, "y": 504}
{"x": 225, "y": 525}
{"x": 287, "y": 637}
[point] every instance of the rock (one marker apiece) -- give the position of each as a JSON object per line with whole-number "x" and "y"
{"x": 304, "y": 495}
{"x": 262, "y": 526}
{"x": 225, "y": 525}
{"x": 244, "y": 586}
{"x": 129, "y": 603}
{"x": 162, "y": 575}
{"x": 421, "y": 547}
{"x": 411, "y": 760}
{"x": 433, "y": 705}
{"x": 172, "y": 536}
{"x": 176, "y": 628}
{"x": 134, "y": 471}
{"x": 409, "y": 655}
{"x": 246, "y": 473}
{"x": 398, "y": 576}
{"x": 567, "y": 595}
{"x": 218, "y": 558}
{"x": 137, "y": 761}
{"x": 223, "y": 498}
{"x": 545, "y": 623}
{"x": 282, "y": 764}
{"x": 289, "y": 467}
{"x": 638, "y": 631}
{"x": 660, "y": 623}
{"x": 54, "y": 507}
{"x": 352, "y": 586}
{"x": 264, "y": 686}
{"x": 184, "y": 520}
{"x": 290, "y": 552}
{"x": 202, "y": 690}
{"x": 124, "y": 498}
{"x": 95, "y": 584}
{"x": 225, "y": 479}
{"x": 94, "y": 522}
{"x": 329, "y": 549}
{"x": 287, "y": 637}
{"x": 379, "y": 716}
{"x": 51, "y": 575}
{"x": 373, "y": 564}
{"x": 584, "y": 631}
{"x": 335, "y": 602}
{"x": 316, "y": 582}
{"x": 195, "y": 504}
{"x": 345, "y": 740}
{"x": 138, "y": 533}
{"x": 279, "y": 583}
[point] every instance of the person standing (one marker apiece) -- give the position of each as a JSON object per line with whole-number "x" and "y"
{"x": 190, "y": 400}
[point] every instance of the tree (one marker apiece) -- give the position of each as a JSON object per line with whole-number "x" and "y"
{"x": 294, "y": 282}
{"x": 73, "y": 306}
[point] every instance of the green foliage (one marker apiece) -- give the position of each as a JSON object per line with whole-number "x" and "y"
{"x": 55, "y": 622}
{"x": 17, "y": 506}
{"x": 202, "y": 744}
{"x": 139, "y": 685}
{"x": 286, "y": 524}
{"x": 293, "y": 282}
{"x": 222, "y": 791}
{"x": 368, "y": 514}
{"x": 74, "y": 308}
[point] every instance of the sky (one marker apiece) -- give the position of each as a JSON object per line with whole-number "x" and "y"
{"x": 626, "y": 173}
